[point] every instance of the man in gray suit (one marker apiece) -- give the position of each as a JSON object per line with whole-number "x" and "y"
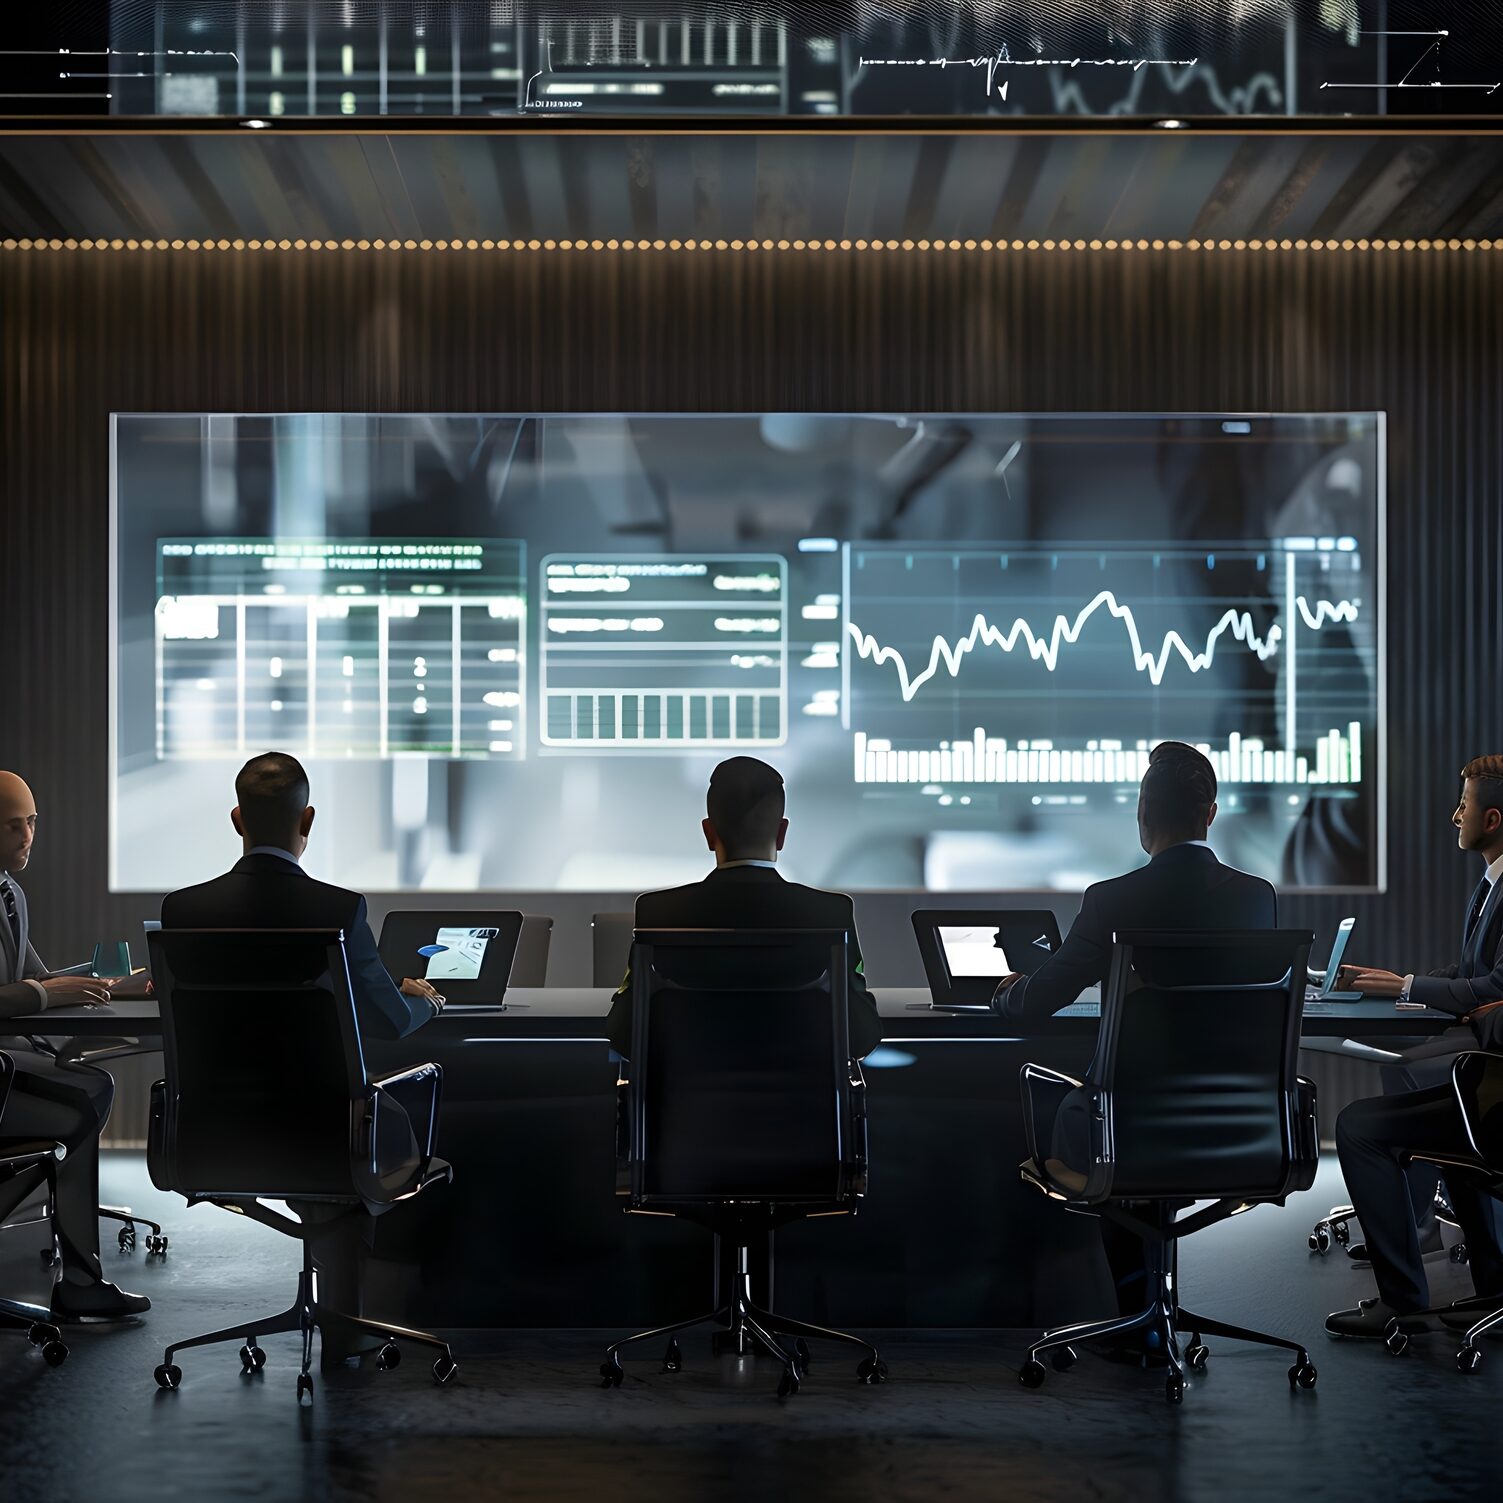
{"x": 68, "y": 1104}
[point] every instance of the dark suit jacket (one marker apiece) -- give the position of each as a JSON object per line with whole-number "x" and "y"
{"x": 266, "y": 892}
{"x": 1185, "y": 887}
{"x": 1477, "y": 977}
{"x": 753, "y": 897}
{"x": 18, "y": 963}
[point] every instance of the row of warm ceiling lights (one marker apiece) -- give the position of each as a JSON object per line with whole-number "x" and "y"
{"x": 736, "y": 245}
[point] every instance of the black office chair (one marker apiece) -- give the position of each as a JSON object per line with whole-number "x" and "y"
{"x": 743, "y": 1111}
{"x": 1478, "y": 1082}
{"x": 17, "y": 1156}
{"x": 267, "y": 1098}
{"x": 610, "y": 946}
{"x": 1192, "y": 1095}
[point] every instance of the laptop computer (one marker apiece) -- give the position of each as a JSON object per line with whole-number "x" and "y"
{"x": 967, "y": 951}
{"x": 1326, "y": 991}
{"x": 467, "y": 956}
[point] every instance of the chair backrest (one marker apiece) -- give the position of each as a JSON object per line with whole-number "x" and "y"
{"x": 529, "y": 966}
{"x": 740, "y": 1067}
{"x": 610, "y": 946}
{"x": 1479, "y": 1087}
{"x": 7, "y": 1074}
{"x": 1196, "y": 1062}
{"x": 265, "y": 1079}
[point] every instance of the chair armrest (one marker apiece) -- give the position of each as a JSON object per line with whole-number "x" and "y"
{"x": 1478, "y": 1079}
{"x": 860, "y": 1146}
{"x": 1304, "y": 1141}
{"x": 159, "y": 1164}
{"x": 1043, "y": 1091}
{"x": 416, "y": 1092}
{"x": 623, "y": 1136}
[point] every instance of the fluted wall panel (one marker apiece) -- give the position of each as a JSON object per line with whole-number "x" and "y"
{"x": 1418, "y": 334}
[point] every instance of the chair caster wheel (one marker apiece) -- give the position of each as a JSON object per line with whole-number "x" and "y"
{"x": 1342, "y": 1234}
{"x": 127, "y": 1239}
{"x": 389, "y": 1356}
{"x": 1174, "y": 1389}
{"x": 873, "y": 1370}
{"x": 1468, "y": 1359}
{"x": 304, "y": 1387}
{"x": 1458, "y": 1253}
{"x": 802, "y": 1356}
{"x": 788, "y": 1385}
{"x": 612, "y": 1372}
{"x": 1396, "y": 1343}
{"x": 55, "y": 1353}
{"x": 252, "y": 1359}
{"x": 168, "y": 1375}
{"x": 156, "y": 1247}
{"x": 1320, "y": 1240}
{"x": 1302, "y": 1374}
{"x": 1063, "y": 1358}
{"x": 41, "y": 1333}
{"x": 1031, "y": 1374}
{"x": 1197, "y": 1356}
{"x": 444, "y": 1370}
{"x": 673, "y": 1358}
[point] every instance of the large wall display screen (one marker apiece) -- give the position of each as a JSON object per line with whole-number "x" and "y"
{"x": 510, "y": 648}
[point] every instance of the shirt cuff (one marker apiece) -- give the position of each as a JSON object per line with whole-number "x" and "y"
{"x": 1404, "y": 990}
{"x": 39, "y": 989}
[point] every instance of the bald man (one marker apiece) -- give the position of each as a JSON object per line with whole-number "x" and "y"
{"x": 68, "y": 1104}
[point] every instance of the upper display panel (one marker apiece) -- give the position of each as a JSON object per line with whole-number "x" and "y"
{"x": 1156, "y": 59}
{"x": 510, "y": 648}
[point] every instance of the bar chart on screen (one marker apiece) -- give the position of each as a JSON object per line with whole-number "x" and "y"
{"x": 1066, "y": 666}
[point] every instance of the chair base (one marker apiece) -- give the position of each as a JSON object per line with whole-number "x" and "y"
{"x": 36, "y": 1321}
{"x": 744, "y": 1329}
{"x": 1164, "y": 1316}
{"x": 1488, "y": 1307}
{"x": 1335, "y": 1227}
{"x": 307, "y": 1315}
{"x": 156, "y": 1243}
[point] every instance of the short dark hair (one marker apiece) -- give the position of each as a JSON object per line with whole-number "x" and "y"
{"x": 272, "y": 791}
{"x": 1178, "y": 790}
{"x": 1486, "y": 775}
{"x": 745, "y": 804}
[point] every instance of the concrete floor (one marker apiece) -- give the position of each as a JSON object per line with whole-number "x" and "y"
{"x": 526, "y": 1419}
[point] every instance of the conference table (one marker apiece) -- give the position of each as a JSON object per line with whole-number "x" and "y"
{"x": 531, "y": 1233}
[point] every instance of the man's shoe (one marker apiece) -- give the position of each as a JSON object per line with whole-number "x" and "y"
{"x": 1370, "y": 1321}
{"x": 78, "y": 1304}
{"x": 1431, "y": 1246}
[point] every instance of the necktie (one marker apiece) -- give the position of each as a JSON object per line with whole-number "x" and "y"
{"x": 1484, "y": 891}
{"x": 12, "y": 917}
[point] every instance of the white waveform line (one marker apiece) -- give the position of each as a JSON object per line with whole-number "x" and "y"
{"x": 982, "y": 632}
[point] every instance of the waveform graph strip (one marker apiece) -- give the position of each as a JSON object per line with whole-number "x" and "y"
{"x": 1335, "y": 759}
{"x": 671, "y": 653}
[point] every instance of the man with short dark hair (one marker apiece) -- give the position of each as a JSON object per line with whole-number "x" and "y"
{"x": 745, "y": 827}
{"x": 268, "y": 889}
{"x": 1183, "y": 886}
{"x": 1376, "y": 1137}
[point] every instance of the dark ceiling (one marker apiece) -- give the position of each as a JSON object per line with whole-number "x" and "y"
{"x": 827, "y": 185}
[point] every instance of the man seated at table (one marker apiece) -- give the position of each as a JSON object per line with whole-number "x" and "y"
{"x": 1419, "y": 1113}
{"x": 745, "y": 827}
{"x": 1183, "y": 886}
{"x": 67, "y": 1104}
{"x": 267, "y": 888}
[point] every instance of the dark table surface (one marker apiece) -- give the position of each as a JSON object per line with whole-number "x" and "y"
{"x": 579, "y": 1013}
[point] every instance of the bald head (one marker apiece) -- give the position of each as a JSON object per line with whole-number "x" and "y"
{"x": 18, "y": 822}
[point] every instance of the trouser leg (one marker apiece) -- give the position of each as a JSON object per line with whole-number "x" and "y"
{"x": 1423, "y": 1179}
{"x": 70, "y": 1105}
{"x": 1374, "y": 1139}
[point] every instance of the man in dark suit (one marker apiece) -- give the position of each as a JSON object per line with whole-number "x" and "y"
{"x": 1419, "y": 1111}
{"x": 745, "y": 827}
{"x": 268, "y": 889}
{"x": 67, "y": 1104}
{"x": 1183, "y": 886}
